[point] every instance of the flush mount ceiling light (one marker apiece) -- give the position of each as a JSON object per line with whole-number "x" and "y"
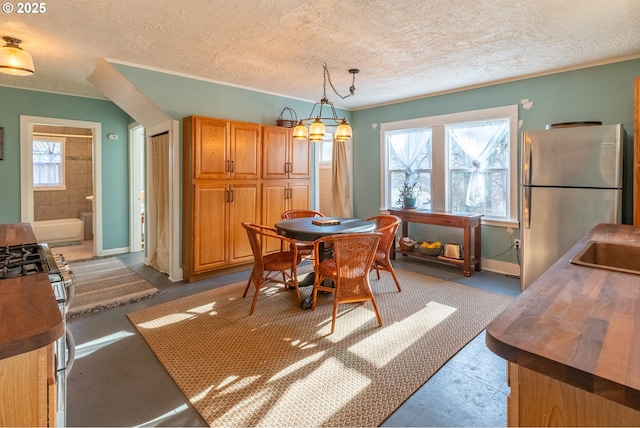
{"x": 13, "y": 60}
{"x": 316, "y": 131}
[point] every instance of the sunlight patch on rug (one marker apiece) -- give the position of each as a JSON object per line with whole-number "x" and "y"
{"x": 281, "y": 367}
{"x": 382, "y": 346}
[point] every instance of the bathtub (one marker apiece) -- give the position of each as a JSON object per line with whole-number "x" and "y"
{"x": 60, "y": 230}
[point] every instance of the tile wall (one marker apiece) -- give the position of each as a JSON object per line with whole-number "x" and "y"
{"x": 69, "y": 203}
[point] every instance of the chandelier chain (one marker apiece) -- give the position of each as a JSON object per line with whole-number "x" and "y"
{"x": 327, "y": 76}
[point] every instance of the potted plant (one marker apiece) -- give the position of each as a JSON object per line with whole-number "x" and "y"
{"x": 409, "y": 194}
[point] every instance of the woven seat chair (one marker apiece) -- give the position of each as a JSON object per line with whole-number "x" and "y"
{"x": 267, "y": 267}
{"x": 387, "y": 225}
{"x": 304, "y": 247}
{"x": 349, "y": 268}
{"x": 300, "y": 213}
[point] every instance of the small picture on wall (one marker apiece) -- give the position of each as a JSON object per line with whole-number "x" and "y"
{"x": 1, "y": 143}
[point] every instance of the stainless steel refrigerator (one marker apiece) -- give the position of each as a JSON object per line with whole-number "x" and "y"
{"x": 571, "y": 181}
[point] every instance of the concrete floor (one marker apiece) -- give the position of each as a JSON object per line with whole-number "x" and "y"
{"x": 117, "y": 381}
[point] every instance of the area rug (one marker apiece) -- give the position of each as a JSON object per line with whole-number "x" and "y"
{"x": 282, "y": 367}
{"x": 105, "y": 283}
{"x": 64, "y": 244}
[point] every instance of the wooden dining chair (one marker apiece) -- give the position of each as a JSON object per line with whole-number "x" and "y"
{"x": 387, "y": 225}
{"x": 300, "y": 213}
{"x": 348, "y": 269}
{"x": 304, "y": 247}
{"x": 267, "y": 267}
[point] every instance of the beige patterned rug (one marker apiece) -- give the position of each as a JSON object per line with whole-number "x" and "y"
{"x": 105, "y": 283}
{"x": 281, "y": 367}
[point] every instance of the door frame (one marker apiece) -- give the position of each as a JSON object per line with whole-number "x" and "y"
{"x": 136, "y": 182}
{"x": 26, "y": 169}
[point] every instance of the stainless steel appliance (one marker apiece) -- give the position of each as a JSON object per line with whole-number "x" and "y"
{"x": 571, "y": 181}
{"x": 30, "y": 259}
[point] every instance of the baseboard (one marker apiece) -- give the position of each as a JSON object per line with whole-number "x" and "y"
{"x": 113, "y": 251}
{"x": 501, "y": 267}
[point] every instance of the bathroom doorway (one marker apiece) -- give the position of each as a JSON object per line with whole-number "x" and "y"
{"x": 59, "y": 158}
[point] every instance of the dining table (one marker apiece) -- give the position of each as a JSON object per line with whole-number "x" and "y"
{"x": 312, "y": 228}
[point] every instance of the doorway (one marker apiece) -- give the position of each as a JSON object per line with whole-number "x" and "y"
{"x": 137, "y": 186}
{"x": 325, "y": 196}
{"x": 78, "y": 196}
{"x": 323, "y": 156}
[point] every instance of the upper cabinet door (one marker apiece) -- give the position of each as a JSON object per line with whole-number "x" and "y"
{"x": 275, "y": 146}
{"x": 246, "y": 154}
{"x": 284, "y": 157}
{"x": 300, "y": 159}
{"x": 211, "y": 148}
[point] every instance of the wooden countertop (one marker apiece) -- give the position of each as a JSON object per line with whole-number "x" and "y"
{"x": 579, "y": 325}
{"x": 29, "y": 314}
{"x": 16, "y": 233}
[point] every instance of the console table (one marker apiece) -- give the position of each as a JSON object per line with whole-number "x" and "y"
{"x": 450, "y": 219}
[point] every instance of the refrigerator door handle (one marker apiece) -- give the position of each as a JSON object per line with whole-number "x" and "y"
{"x": 526, "y": 176}
{"x": 526, "y": 206}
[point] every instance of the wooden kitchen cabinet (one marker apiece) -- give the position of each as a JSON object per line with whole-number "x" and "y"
{"x": 279, "y": 196}
{"x": 221, "y": 188}
{"x": 284, "y": 157}
{"x": 571, "y": 342}
{"x": 222, "y": 149}
{"x": 217, "y": 238}
{"x": 540, "y": 400}
{"x": 28, "y": 389}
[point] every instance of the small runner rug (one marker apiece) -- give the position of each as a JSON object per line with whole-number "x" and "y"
{"x": 281, "y": 366}
{"x": 105, "y": 283}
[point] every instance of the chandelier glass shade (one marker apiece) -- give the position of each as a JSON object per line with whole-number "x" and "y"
{"x": 317, "y": 129}
{"x": 13, "y": 60}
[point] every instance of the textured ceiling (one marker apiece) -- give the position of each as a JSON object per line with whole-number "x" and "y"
{"x": 403, "y": 48}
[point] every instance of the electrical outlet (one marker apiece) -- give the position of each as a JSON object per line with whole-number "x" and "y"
{"x": 516, "y": 243}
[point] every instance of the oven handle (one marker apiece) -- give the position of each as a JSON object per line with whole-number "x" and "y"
{"x": 71, "y": 350}
{"x": 70, "y": 291}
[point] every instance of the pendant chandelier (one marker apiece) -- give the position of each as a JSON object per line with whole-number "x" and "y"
{"x": 316, "y": 131}
{"x": 13, "y": 60}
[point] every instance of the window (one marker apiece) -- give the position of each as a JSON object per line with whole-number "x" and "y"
{"x": 326, "y": 149}
{"x": 48, "y": 163}
{"x": 462, "y": 162}
{"x": 409, "y": 154}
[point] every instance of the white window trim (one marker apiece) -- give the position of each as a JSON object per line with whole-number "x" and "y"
{"x": 63, "y": 184}
{"x": 437, "y": 124}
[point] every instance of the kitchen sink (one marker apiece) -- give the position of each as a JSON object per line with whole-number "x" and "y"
{"x": 609, "y": 255}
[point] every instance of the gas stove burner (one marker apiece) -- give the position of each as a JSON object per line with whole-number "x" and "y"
{"x": 21, "y": 260}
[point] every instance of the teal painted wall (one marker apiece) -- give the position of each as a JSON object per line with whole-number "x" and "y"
{"x": 180, "y": 97}
{"x": 115, "y": 155}
{"x": 603, "y": 93}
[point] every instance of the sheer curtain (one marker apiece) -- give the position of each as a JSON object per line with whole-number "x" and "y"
{"x": 409, "y": 147}
{"x": 158, "y": 203}
{"x": 477, "y": 142}
{"x": 341, "y": 180}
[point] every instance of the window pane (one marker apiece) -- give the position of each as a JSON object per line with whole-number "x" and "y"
{"x": 326, "y": 149}
{"x": 47, "y": 163}
{"x": 495, "y": 199}
{"x": 409, "y": 160}
{"x": 476, "y": 150}
{"x": 409, "y": 150}
{"x": 424, "y": 183}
